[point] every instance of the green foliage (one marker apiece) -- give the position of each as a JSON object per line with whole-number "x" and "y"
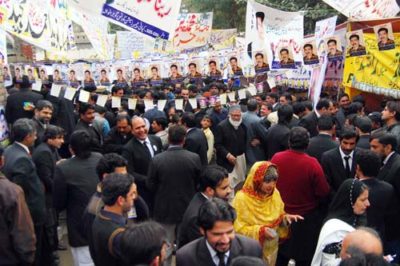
{"x": 232, "y": 13}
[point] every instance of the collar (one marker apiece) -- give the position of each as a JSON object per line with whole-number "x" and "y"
{"x": 116, "y": 218}
{"x": 212, "y": 251}
{"x": 207, "y": 197}
{"x": 318, "y": 114}
{"x": 342, "y": 154}
{"x": 23, "y": 146}
{"x": 387, "y": 158}
{"x": 142, "y": 141}
{"x": 325, "y": 134}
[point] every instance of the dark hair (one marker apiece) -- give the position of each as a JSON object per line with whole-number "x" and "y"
{"x": 211, "y": 176}
{"x": 394, "y": 106}
{"x": 142, "y": 243}
{"x": 80, "y": 143}
{"x": 22, "y": 128}
{"x": 212, "y": 62}
{"x": 308, "y": 105}
{"x": 56, "y": 71}
{"x": 108, "y": 163}
{"x": 341, "y": 95}
{"x": 298, "y": 138}
{"x": 285, "y": 114}
{"x": 332, "y": 40}
{"x": 84, "y": 107}
{"x": 369, "y": 162}
{"x": 103, "y": 71}
{"x": 208, "y": 118}
{"x": 113, "y": 186}
{"x": 383, "y": 29}
{"x": 247, "y": 261}
{"x": 173, "y": 65}
{"x": 323, "y": 103}
{"x": 273, "y": 95}
{"x": 348, "y": 133}
{"x": 215, "y": 210}
{"x": 287, "y": 96}
{"x": 192, "y": 64}
{"x": 189, "y": 119}
{"x": 260, "y": 15}
{"x": 233, "y": 58}
{"x": 359, "y": 99}
{"x": 122, "y": 117}
{"x": 52, "y": 132}
{"x": 176, "y": 134}
{"x": 41, "y": 104}
{"x": 354, "y": 35}
{"x": 325, "y": 122}
{"x": 154, "y": 67}
{"x": 298, "y": 108}
{"x": 136, "y": 69}
{"x": 119, "y": 70}
{"x": 252, "y": 105}
{"x": 162, "y": 121}
{"x": 284, "y": 50}
{"x": 363, "y": 123}
{"x": 354, "y": 108}
{"x": 307, "y": 45}
{"x": 115, "y": 89}
{"x": 259, "y": 54}
{"x": 72, "y": 71}
{"x": 386, "y": 139}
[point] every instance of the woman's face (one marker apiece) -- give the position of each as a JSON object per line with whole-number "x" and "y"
{"x": 361, "y": 204}
{"x": 267, "y": 188}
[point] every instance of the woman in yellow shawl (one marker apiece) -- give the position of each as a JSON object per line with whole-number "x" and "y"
{"x": 260, "y": 210}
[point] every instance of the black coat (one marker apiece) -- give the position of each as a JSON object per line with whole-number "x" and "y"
{"x": 172, "y": 179}
{"x": 334, "y": 169}
{"x": 310, "y": 122}
{"x": 363, "y": 142}
{"x": 20, "y": 169}
{"x": 188, "y": 229}
{"x": 196, "y": 142}
{"x": 229, "y": 140}
{"x": 196, "y": 252}
{"x": 95, "y": 133}
{"x": 75, "y": 181}
{"x": 320, "y": 144}
{"x": 115, "y": 141}
{"x": 15, "y": 105}
{"x": 277, "y": 139}
{"x": 39, "y": 131}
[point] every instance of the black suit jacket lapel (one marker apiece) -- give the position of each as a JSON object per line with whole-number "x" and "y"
{"x": 203, "y": 254}
{"x": 235, "y": 251}
{"x": 339, "y": 160}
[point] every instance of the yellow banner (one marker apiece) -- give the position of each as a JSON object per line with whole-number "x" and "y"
{"x": 376, "y": 72}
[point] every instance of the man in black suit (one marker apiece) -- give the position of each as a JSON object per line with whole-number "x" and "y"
{"x": 41, "y": 119}
{"x": 220, "y": 245}
{"x": 384, "y": 145}
{"x": 214, "y": 182}
{"x": 173, "y": 177}
{"x": 139, "y": 152}
{"x": 278, "y": 135}
{"x": 339, "y": 163}
{"x": 20, "y": 169}
{"x": 46, "y": 157}
{"x": 310, "y": 121}
{"x": 86, "y": 119}
{"x": 323, "y": 141}
{"x": 230, "y": 139}
{"x": 22, "y": 103}
{"x": 363, "y": 126}
{"x": 118, "y": 135}
{"x": 75, "y": 181}
{"x": 195, "y": 140}
{"x": 381, "y": 193}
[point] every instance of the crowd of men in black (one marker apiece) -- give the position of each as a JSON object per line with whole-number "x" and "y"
{"x": 111, "y": 167}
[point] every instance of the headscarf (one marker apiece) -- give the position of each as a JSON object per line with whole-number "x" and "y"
{"x": 255, "y": 178}
{"x": 342, "y": 204}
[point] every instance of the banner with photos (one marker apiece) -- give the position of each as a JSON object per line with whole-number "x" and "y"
{"x": 373, "y": 67}
{"x": 276, "y": 32}
{"x": 155, "y": 18}
{"x": 193, "y": 30}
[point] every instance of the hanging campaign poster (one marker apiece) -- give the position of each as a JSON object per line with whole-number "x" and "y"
{"x": 3, "y": 47}
{"x": 278, "y": 32}
{"x": 365, "y": 9}
{"x": 193, "y": 30}
{"x": 155, "y": 18}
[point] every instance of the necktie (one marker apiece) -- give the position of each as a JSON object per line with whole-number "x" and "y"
{"x": 347, "y": 158}
{"x": 146, "y": 148}
{"x": 221, "y": 257}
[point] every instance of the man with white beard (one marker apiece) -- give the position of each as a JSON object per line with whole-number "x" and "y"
{"x": 230, "y": 143}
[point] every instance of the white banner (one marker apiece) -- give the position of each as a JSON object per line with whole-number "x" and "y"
{"x": 276, "y": 32}
{"x": 155, "y": 18}
{"x": 365, "y": 9}
{"x": 3, "y": 47}
{"x": 131, "y": 44}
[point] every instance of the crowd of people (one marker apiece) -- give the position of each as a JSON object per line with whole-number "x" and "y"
{"x": 266, "y": 180}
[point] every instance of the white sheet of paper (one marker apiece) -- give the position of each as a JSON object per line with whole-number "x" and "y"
{"x": 271, "y": 82}
{"x": 84, "y": 96}
{"x": 179, "y": 104}
{"x": 148, "y": 105}
{"x": 222, "y": 98}
{"x": 252, "y": 89}
{"x": 69, "y": 93}
{"x": 231, "y": 96}
{"x": 115, "y": 102}
{"x": 55, "y": 90}
{"x": 193, "y": 102}
{"x": 161, "y": 104}
{"x": 242, "y": 94}
{"x": 101, "y": 100}
{"x": 37, "y": 86}
{"x": 132, "y": 104}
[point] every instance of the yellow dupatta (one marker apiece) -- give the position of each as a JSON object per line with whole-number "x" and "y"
{"x": 255, "y": 212}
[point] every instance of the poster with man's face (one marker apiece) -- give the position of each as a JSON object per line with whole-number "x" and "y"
{"x": 309, "y": 51}
{"x": 385, "y": 37}
{"x": 355, "y": 43}
{"x": 334, "y": 48}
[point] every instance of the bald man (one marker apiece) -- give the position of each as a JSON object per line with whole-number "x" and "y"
{"x": 364, "y": 239}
